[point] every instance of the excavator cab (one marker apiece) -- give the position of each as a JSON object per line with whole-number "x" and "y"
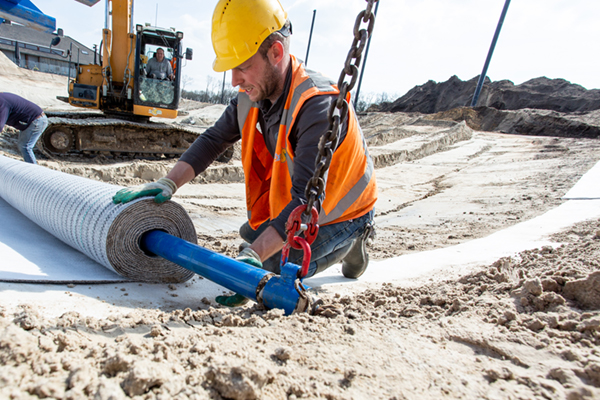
{"x": 110, "y": 88}
{"x": 157, "y": 96}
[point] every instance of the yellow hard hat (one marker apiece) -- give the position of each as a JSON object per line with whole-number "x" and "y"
{"x": 240, "y": 26}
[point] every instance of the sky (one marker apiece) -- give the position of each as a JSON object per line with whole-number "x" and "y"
{"x": 413, "y": 41}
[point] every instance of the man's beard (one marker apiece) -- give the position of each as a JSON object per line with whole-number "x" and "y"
{"x": 271, "y": 80}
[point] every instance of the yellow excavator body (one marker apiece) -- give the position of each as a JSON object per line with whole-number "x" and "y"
{"x": 122, "y": 88}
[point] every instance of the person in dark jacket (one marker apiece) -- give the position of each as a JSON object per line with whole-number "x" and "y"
{"x": 25, "y": 116}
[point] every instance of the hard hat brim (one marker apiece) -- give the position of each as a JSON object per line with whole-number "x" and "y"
{"x": 226, "y": 64}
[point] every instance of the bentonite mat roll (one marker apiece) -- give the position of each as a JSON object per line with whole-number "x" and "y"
{"x": 80, "y": 212}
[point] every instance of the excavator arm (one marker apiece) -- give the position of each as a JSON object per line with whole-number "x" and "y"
{"x": 26, "y": 13}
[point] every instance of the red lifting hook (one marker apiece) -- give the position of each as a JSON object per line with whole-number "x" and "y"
{"x": 310, "y": 230}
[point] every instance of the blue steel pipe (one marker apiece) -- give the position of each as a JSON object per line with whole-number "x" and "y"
{"x": 272, "y": 290}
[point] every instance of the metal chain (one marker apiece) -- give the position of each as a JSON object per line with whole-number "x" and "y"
{"x": 329, "y": 141}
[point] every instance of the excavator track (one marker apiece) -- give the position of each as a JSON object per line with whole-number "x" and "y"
{"x": 90, "y": 133}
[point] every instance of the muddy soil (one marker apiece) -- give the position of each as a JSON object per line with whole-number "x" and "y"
{"x": 525, "y": 327}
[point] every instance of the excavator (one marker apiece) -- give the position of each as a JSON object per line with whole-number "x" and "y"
{"x": 122, "y": 90}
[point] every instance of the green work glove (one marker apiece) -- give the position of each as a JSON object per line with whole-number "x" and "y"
{"x": 162, "y": 190}
{"x": 247, "y": 256}
{"x": 231, "y": 301}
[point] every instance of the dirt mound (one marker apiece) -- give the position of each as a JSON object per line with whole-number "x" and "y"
{"x": 20, "y": 81}
{"x": 539, "y": 93}
{"x": 527, "y": 121}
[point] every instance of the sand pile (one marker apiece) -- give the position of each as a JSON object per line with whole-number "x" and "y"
{"x": 539, "y": 93}
{"x": 524, "y": 327}
{"x": 38, "y": 87}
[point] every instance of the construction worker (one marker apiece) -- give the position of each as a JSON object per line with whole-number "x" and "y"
{"x": 25, "y": 116}
{"x": 280, "y": 114}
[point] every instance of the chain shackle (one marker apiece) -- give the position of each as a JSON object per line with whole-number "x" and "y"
{"x": 338, "y": 111}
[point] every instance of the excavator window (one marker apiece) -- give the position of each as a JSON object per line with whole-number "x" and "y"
{"x": 155, "y": 88}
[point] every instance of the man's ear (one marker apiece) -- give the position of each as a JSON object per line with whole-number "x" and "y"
{"x": 276, "y": 52}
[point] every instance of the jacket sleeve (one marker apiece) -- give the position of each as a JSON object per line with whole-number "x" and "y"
{"x": 214, "y": 141}
{"x": 3, "y": 119}
{"x": 149, "y": 66}
{"x": 3, "y": 116}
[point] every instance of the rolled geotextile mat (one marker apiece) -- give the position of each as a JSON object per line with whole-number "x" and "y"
{"x": 80, "y": 212}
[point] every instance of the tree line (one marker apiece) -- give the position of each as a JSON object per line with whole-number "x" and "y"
{"x": 216, "y": 93}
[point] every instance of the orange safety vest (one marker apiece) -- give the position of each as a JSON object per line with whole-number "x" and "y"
{"x": 351, "y": 189}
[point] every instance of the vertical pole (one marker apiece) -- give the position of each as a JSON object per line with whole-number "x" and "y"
{"x": 70, "y": 57}
{"x": 131, "y": 18}
{"x": 17, "y": 54}
{"x": 362, "y": 70}
{"x": 310, "y": 37}
{"x": 106, "y": 14}
{"x": 489, "y": 55}
{"x": 223, "y": 88}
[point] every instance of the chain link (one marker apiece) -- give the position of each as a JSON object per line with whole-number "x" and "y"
{"x": 338, "y": 110}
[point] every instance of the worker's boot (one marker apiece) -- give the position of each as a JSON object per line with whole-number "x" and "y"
{"x": 356, "y": 261}
{"x": 332, "y": 258}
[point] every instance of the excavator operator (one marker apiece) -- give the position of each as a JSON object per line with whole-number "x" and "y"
{"x": 279, "y": 115}
{"x": 158, "y": 67}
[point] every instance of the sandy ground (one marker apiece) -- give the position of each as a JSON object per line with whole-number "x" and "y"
{"x": 522, "y": 327}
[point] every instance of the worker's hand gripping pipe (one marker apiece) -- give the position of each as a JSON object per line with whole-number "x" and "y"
{"x": 273, "y": 291}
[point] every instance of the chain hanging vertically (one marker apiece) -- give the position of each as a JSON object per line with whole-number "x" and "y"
{"x": 337, "y": 114}
{"x": 338, "y": 110}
